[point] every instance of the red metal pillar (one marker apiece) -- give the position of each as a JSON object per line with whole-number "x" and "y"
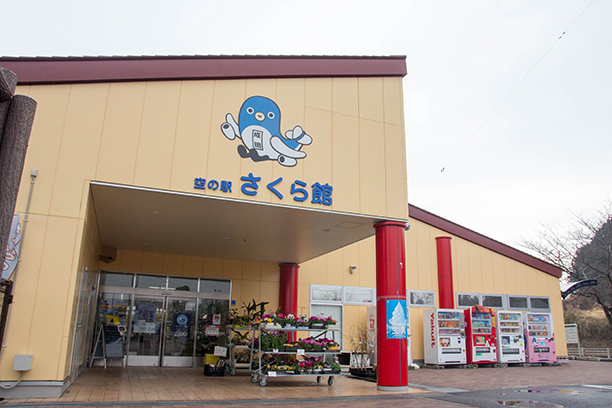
{"x": 392, "y": 343}
{"x": 445, "y": 273}
{"x": 288, "y": 296}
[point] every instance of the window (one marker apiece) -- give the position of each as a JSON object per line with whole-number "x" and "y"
{"x": 359, "y": 296}
{"x": 122, "y": 280}
{"x": 465, "y": 300}
{"x": 325, "y": 293}
{"x": 186, "y": 284}
{"x": 421, "y": 298}
{"x": 539, "y": 303}
{"x": 151, "y": 282}
{"x": 517, "y": 302}
{"x": 214, "y": 286}
{"x": 335, "y": 311}
{"x": 494, "y": 301}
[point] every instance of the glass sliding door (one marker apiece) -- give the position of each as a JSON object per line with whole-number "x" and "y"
{"x": 179, "y": 333}
{"x": 146, "y": 331}
{"x": 163, "y": 320}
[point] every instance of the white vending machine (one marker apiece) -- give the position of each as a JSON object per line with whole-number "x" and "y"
{"x": 539, "y": 338}
{"x": 510, "y": 340}
{"x": 444, "y": 336}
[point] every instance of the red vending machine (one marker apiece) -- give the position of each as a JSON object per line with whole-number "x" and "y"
{"x": 481, "y": 335}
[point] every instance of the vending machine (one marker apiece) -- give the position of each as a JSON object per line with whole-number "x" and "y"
{"x": 444, "y": 336}
{"x": 510, "y": 342}
{"x": 481, "y": 341}
{"x": 539, "y": 338}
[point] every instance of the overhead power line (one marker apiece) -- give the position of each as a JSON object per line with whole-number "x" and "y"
{"x": 504, "y": 100}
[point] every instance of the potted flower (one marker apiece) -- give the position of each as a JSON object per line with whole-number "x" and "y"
{"x": 269, "y": 321}
{"x": 316, "y": 322}
{"x": 330, "y": 345}
{"x": 330, "y": 323}
{"x": 273, "y": 340}
{"x": 290, "y": 321}
{"x": 302, "y": 321}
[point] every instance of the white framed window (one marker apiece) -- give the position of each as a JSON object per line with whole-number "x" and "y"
{"x": 517, "y": 302}
{"x": 326, "y": 293}
{"x": 336, "y": 312}
{"x": 465, "y": 300}
{"x": 494, "y": 301}
{"x": 421, "y": 298}
{"x": 359, "y": 296}
{"x": 539, "y": 303}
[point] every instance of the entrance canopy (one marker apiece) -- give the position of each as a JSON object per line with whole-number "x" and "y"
{"x": 151, "y": 220}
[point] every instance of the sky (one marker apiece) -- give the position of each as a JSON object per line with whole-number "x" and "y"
{"x": 508, "y": 126}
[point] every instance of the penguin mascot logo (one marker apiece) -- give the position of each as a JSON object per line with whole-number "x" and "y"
{"x": 259, "y": 128}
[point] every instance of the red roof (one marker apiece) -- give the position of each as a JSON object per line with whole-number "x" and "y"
{"x": 68, "y": 70}
{"x": 481, "y": 240}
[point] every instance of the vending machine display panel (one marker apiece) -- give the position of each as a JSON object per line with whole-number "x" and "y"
{"x": 481, "y": 335}
{"x": 510, "y": 341}
{"x": 444, "y": 336}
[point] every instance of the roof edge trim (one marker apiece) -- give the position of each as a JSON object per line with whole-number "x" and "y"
{"x": 479, "y": 239}
{"x": 69, "y": 70}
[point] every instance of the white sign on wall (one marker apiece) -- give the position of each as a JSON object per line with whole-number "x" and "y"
{"x": 571, "y": 334}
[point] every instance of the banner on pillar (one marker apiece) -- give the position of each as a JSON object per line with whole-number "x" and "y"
{"x": 12, "y": 248}
{"x": 397, "y": 324}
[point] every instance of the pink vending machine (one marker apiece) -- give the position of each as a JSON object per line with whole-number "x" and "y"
{"x": 444, "y": 336}
{"x": 539, "y": 338}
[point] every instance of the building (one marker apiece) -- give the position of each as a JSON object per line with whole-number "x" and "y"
{"x": 164, "y": 186}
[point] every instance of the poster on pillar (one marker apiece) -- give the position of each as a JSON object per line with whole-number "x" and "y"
{"x": 396, "y": 319}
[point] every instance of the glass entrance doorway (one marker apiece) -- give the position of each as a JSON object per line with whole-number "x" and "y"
{"x": 164, "y": 321}
{"x": 162, "y": 332}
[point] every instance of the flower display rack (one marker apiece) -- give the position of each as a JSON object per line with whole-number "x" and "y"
{"x": 234, "y": 350}
{"x": 270, "y": 363}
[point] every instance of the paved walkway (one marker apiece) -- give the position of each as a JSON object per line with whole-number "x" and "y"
{"x": 572, "y": 373}
{"x": 180, "y": 387}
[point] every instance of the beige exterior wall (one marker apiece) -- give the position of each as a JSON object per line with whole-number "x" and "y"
{"x": 163, "y": 135}
{"x": 475, "y": 270}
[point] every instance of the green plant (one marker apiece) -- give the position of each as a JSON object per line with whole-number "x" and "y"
{"x": 250, "y": 312}
{"x": 254, "y": 310}
{"x": 363, "y": 346}
{"x": 239, "y": 338}
{"x": 273, "y": 340}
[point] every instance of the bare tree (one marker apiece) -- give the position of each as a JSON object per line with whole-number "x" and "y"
{"x": 583, "y": 251}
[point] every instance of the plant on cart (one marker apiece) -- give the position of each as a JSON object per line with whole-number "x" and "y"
{"x": 317, "y": 322}
{"x": 329, "y": 322}
{"x": 240, "y": 339}
{"x": 271, "y": 340}
{"x": 250, "y": 312}
{"x": 302, "y": 321}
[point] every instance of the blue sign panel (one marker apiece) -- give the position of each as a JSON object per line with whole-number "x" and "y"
{"x": 397, "y": 324}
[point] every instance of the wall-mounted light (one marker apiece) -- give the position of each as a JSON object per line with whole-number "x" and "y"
{"x": 352, "y": 268}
